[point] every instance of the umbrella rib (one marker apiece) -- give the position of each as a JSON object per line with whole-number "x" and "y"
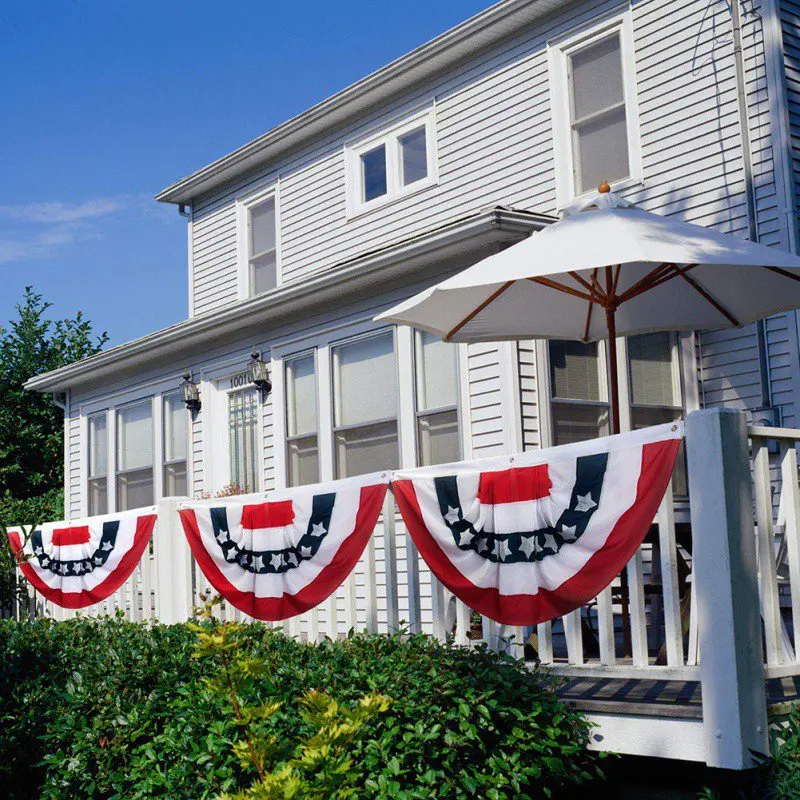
{"x": 589, "y": 308}
{"x": 472, "y": 314}
{"x": 566, "y": 289}
{"x": 592, "y": 289}
{"x": 706, "y": 296}
{"x": 784, "y": 272}
{"x": 644, "y": 283}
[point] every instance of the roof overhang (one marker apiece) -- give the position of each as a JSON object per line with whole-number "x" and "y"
{"x": 501, "y": 20}
{"x": 396, "y": 264}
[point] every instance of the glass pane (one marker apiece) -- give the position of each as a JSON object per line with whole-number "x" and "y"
{"x": 262, "y": 227}
{"x": 644, "y": 418}
{"x": 596, "y": 77}
{"x": 303, "y": 461}
{"x": 174, "y": 428}
{"x": 243, "y": 438}
{"x": 373, "y": 168}
{"x": 98, "y": 445}
{"x": 575, "y": 370}
{"x": 135, "y": 436}
{"x": 263, "y": 273}
{"x": 413, "y": 147}
{"x": 602, "y": 150}
{"x": 135, "y": 489}
{"x": 651, "y": 369}
{"x": 175, "y": 480}
{"x": 436, "y": 372}
{"x": 366, "y": 380}
{"x": 577, "y": 423}
{"x": 438, "y": 438}
{"x": 371, "y": 448}
{"x": 98, "y": 496}
{"x": 301, "y": 396}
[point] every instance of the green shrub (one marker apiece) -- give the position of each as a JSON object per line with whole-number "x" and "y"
{"x": 110, "y": 709}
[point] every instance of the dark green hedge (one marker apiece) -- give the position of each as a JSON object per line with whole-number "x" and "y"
{"x": 112, "y": 709}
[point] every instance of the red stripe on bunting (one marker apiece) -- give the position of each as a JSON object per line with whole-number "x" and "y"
{"x": 515, "y": 485}
{"x": 324, "y": 585}
{"x": 67, "y": 536}
{"x": 267, "y": 515}
{"x": 88, "y": 597}
{"x": 658, "y": 461}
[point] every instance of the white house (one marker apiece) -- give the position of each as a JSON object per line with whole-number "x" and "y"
{"x": 467, "y": 144}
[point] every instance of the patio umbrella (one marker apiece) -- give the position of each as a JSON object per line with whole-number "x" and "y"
{"x": 605, "y": 270}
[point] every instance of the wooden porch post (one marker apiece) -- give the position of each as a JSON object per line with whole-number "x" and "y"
{"x": 726, "y": 585}
{"x": 172, "y": 578}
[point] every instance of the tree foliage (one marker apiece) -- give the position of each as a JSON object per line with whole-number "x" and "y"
{"x": 31, "y": 426}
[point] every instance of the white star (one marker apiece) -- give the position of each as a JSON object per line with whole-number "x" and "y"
{"x": 231, "y": 554}
{"x": 258, "y": 562}
{"x": 481, "y": 545}
{"x": 505, "y": 550}
{"x": 244, "y": 559}
{"x": 318, "y": 530}
{"x": 98, "y": 560}
{"x": 291, "y": 558}
{"x": 465, "y": 537}
{"x": 221, "y": 536}
{"x": 453, "y": 515}
{"x": 65, "y": 569}
{"x": 38, "y": 550}
{"x": 550, "y": 542}
{"x": 528, "y": 545}
{"x": 78, "y": 568}
{"x": 106, "y": 546}
{"x": 570, "y": 534}
{"x": 305, "y": 552}
{"x": 276, "y": 560}
{"x": 585, "y": 503}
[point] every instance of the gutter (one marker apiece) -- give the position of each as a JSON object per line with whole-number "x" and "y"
{"x": 396, "y": 261}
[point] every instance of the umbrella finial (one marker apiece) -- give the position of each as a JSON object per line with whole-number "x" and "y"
{"x": 604, "y": 188}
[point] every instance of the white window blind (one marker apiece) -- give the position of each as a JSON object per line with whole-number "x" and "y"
{"x": 366, "y": 380}
{"x": 575, "y": 370}
{"x": 175, "y": 446}
{"x": 135, "y": 456}
{"x": 98, "y": 464}
{"x": 599, "y": 122}
{"x": 652, "y": 370}
{"x": 301, "y": 421}
{"x": 365, "y": 406}
{"x": 262, "y": 255}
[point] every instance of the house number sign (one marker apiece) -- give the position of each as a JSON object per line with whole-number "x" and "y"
{"x": 239, "y": 381}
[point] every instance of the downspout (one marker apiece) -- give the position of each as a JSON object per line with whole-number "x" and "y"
{"x": 61, "y": 399}
{"x": 750, "y": 193}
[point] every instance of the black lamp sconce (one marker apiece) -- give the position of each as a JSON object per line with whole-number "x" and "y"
{"x": 259, "y": 373}
{"x": 191, "y": 392}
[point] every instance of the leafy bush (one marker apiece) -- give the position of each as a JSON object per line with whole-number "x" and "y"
{"x": 111, "y": 709}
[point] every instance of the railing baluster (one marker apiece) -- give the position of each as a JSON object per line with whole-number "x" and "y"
{"x": 768, "y": 577}
{"x": 370, "y": 578}
{"x": 790, "y": 502}
{"x": 635, "y": 571}
{"x": 668, "y": 553}
{"x": 544, "y": 642}
{"x": 605, "y": 627}
{"x": 390, "y": 563}
{"x": 463, "y": 623}
{"x": 574, "y": 636}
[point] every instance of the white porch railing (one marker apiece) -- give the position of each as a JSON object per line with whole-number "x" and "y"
{"x": 685, "y": 608}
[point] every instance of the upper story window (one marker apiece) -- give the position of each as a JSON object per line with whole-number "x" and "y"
{"x": 175, "y": 437}
{"x": 595, "y": 118}
{"x": 135, "y": 455}
{"x": 396, "y": 162}
{"x": 301, "y": 421}
{"x": 258, "y": 244}
{"x": 365, "y": 406}
{"x": 98, "y": 464}
{"x": 438, "y": 440}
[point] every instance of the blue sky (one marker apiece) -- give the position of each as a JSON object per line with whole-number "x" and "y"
{"x": 106, "y": 103}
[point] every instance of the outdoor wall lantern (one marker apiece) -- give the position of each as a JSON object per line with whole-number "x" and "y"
{"x": 191, "y": 392}
{"x": 259, "y": 373}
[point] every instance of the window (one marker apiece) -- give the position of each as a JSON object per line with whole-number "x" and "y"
{"x": 98, "y": 464}
{"x": 365, "y": 406}
{"x": 393, "y": 164}
{"x": 579, "y": 406}
{"x": 437, "y": 400}
{"x": 175, "y": 482}
{"x": 243, "y": 438}
{"x": 301, "y": 421}
{"x": 135, "y": 456}
{"x": 655, "y": 389}
{"x": 593, "y": 92}
{"x": 258, "y": 245}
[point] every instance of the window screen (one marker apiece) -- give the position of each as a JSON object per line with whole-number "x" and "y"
{"x": 262, "y": 254}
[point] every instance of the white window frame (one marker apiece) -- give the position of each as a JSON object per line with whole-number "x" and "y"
{"x": 162, "y": 434}
{"x": 390, "y": 138}
{"x": 559, "y": 51}
{"x": 244, "y": 203}
{"x": 156, "y": 443}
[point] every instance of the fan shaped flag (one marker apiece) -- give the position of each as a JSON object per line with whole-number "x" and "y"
{"x": 279, "y": 558}
{"x": 78, "y": 564}
{"x": 527, "y": 538}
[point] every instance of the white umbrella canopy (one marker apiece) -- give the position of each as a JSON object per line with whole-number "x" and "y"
{"x": 609, "y": 269}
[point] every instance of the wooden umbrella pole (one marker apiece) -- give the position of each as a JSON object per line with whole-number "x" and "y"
{"x": 611, "y": 325}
